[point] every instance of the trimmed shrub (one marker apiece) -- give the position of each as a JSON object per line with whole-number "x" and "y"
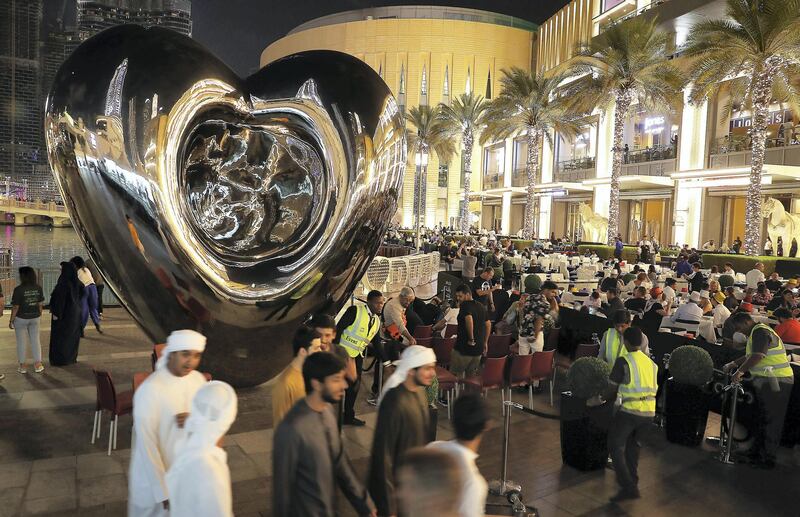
{"x": 629, "y": 253}
{"x": 588, "y": 377}
{"x": 726, "y": 281}
{"x": 689, "y": 364}
{"x": 521, "y": 244}
{"x": 533, "y": 284}
{"x": 742, "y": 263}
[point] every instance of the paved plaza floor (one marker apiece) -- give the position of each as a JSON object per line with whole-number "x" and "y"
{"x": 49, "y": 467}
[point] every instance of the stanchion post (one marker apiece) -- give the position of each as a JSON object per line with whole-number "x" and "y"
{"x": 725, "y": 453}
{"x": 504, "y": 485}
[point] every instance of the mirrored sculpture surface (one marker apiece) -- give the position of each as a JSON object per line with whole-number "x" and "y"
{"x": 236, "y": 207}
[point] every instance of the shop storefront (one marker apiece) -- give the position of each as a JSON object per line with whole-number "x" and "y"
{"x": 651, "y": 137}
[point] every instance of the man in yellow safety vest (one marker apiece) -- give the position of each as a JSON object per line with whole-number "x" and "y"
{"x": 634, "y": 378}
{"x": 611, "y": 346}
{"x": 765, "y": 359}
{"x": 355, "y": 330}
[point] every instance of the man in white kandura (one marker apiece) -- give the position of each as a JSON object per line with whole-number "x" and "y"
{"x": 160, "y": 408}
{"x": 199, "y": 482}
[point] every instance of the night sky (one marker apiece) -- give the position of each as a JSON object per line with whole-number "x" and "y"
{"x": 238, "y": 30}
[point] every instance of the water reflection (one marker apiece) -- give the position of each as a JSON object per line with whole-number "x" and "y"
{"x": 40, "y": 247}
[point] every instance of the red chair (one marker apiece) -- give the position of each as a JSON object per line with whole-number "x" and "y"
{"x": 157, "y": 351}
{"x": 542, "y": 368}
{"x": 425, "y": 341}
{"x": 443, "y": 348}
{"x": 499, "y": 345}
{"x": 138, "y": 379}
{"x": 491, "y": 377}
{"x": 587, "y": 350}
{"x": 447, "y": 384}
{"x": 109, "y": 400}
{"x": 450, "y": 330}
{"x": 520, "y": 372}
{"x": 423, "y": 331}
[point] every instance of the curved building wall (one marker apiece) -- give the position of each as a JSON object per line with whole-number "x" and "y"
{"x": 424, "y": 61}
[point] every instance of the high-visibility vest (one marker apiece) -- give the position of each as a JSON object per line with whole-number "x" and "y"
{"x": 611, "y": 346}
{"x": 775, "y": 358}
{"x": 357, "y": 336}
{"x": 639, "y": 394}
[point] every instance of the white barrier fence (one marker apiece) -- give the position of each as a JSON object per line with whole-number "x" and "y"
{"x": 389, "y": 275}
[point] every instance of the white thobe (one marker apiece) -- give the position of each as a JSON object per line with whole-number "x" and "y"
{"x": 155, "y": 434}
{"x": 472, "y": 502}
{"x": 201, "y": 486}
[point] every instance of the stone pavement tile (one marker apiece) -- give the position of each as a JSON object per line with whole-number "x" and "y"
{"x": 548, "y": 509}
{"x": 13, "y": 475}
{"x": 64, "y": 462}
{"x": 102, "y": 490}
{"x": 50, "y": 504}
{"x": 251, "y": 490}
{"x": 573, "y": 501}
{"x": 100, "y": 464}
{"x": 57, "y": 398}
{"x": 51, "y": 483}
{"x": 118, "y": 509}
{"x": 10, "y": 501}
{"x": 241, "y": 466}
{"x": 253, "y": 441}
{"x": 263, "y": 462}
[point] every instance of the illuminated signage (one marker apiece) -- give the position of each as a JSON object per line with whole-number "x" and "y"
{"x": 654, "y": 125}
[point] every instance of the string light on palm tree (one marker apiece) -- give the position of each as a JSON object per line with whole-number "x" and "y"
{"x": 757, "y": 49}
{"x": 626, "y": 63}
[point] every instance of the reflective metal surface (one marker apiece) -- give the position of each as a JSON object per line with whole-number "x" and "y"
{"x": 234, "y": 207}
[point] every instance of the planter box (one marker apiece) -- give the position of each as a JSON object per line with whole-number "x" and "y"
{"x": 584, "y": 433}
{"x": 686, "y": 412}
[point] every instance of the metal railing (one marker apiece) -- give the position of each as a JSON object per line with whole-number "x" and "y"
{"x": 50, "y": 206}
{"x": 576, "y": 164}
{"x": 650, "y": 154}
{"x": 738, "y": 143}
{"x": 492, "y": 181}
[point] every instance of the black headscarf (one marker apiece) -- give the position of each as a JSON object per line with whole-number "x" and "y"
{"x": 68, "y": 279}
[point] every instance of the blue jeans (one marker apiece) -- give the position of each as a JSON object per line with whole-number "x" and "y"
{"x": 27, "y": 332}
{"x": 89, "y": 305}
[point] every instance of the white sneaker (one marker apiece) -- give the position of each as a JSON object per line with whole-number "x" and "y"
{"x": 22, "y": 370}
{"x": 39, "y": 369}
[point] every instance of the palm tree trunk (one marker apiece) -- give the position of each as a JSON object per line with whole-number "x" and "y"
{"x": 762, "y": 88}
{"x": 532, "y": 175}
{"x": 468, "y": 141}
{"x": 623, "y": 102}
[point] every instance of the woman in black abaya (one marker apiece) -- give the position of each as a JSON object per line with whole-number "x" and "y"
{"x": 65, "y": 305}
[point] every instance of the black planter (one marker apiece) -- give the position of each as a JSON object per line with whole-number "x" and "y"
{"x": 686, "y": 412}
{"x": 584, "y": 432}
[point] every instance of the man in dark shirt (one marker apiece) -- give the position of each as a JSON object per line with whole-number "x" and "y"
{"x": 609, "y": 282}
{"x": 683, "y": 267}
{"x": 483, "y": 287}
{"x": 773, "y": 284}
{"x": 613, "y": 305}
{"x": 638, "y": 302}
{"x": 308, "y": 456}
{"x": 696, "y": 279}
{"x": 473, "y": 334}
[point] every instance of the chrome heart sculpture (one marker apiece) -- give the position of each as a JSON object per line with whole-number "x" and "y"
{"x": 233, "y": 207}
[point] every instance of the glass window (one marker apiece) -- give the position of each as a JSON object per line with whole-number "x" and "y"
{"x": 494, "y": 158}
{"x": 610, "y": 4}
{"x": 443, "y": 171}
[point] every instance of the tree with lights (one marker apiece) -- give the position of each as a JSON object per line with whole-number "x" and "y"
{"x": 463, "y": 119}
{"x": 627, "y": 64}
{"x": 754, "y": 55}
{"x": 529, "y": 103}
{"x": 429, "y": 135}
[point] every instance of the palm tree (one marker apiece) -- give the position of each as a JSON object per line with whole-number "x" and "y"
{"x": 529, "y": 102}
{"x": 757, "y": 45}
{"x": 428, "y": 135}
{"x": 626, "y": 63}
{"x": 463, "y": 118}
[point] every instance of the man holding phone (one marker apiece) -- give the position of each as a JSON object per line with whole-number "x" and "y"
{"x": 474, "y": 328}
{"x": 483, "y": 286}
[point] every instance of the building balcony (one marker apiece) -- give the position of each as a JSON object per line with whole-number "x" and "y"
{"x": 574, "y": 171}
{"x": 492, "y": 181}
{"x": 736, "y": 151}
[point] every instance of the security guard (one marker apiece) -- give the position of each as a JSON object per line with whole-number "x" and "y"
{"x": 634, "y": 378}
{"x": 765, "y": 359}
{"x": 355, "y": 330}
{"x": 611, "y": 344}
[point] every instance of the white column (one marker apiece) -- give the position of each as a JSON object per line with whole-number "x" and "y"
{"x": 505, "y": 217}
{"x": 688, "y": 204}
{"x": 604, "y": 160}
{"x": 692, "y": 136}
{"x": 545, "y": 202}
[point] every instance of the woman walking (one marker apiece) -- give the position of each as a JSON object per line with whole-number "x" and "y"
{"x": 65, "y": 305}
{"x": 26, "y": 312}
{"x": 89, "y": 299}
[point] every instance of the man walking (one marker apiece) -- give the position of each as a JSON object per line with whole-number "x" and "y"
{"x": 403, "y": 423}
{"x": 308, "y": 456}
{"x": 634, "y": 377}
{"x": 289, "y": 386}
{"x": 160, "y": 408}
{"x": 355, "y": 331}
{"x": 472, "y": 337}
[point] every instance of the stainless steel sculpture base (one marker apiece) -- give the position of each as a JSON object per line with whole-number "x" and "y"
{"x": 234, "y": 207}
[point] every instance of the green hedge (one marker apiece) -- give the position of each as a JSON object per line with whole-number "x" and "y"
{"x": 629, "y": 253}
{"x": 742, "y": 263}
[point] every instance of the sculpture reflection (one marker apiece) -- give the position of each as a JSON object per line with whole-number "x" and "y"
{"x": 234, "y": 207}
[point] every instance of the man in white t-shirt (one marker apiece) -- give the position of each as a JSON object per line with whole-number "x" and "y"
{"x": 669, "y": 291}
{"x": 470, "y": 420}
{"x": 689, "y": 311}
{"x": 755, "y": 275}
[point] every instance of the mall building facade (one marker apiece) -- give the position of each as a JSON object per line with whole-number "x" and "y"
{"x": 685, "y": 174}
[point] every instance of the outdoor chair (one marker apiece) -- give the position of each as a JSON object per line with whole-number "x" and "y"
{"x": 542, "y": 369}
{"x": 491, "y": 377}
{"x": 116, "y": 404}
{"x": 499, "y": 345}
{"x": 520, "y": 372}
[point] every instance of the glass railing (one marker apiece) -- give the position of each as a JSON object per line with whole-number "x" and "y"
{"x": 575, "y": 164}
{"x": 739, "y": 143}
{"x": 650, "y": 154}
{"x": 492, "y": 181}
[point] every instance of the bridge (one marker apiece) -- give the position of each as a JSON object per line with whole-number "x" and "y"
{"x": 30, "y": 213}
